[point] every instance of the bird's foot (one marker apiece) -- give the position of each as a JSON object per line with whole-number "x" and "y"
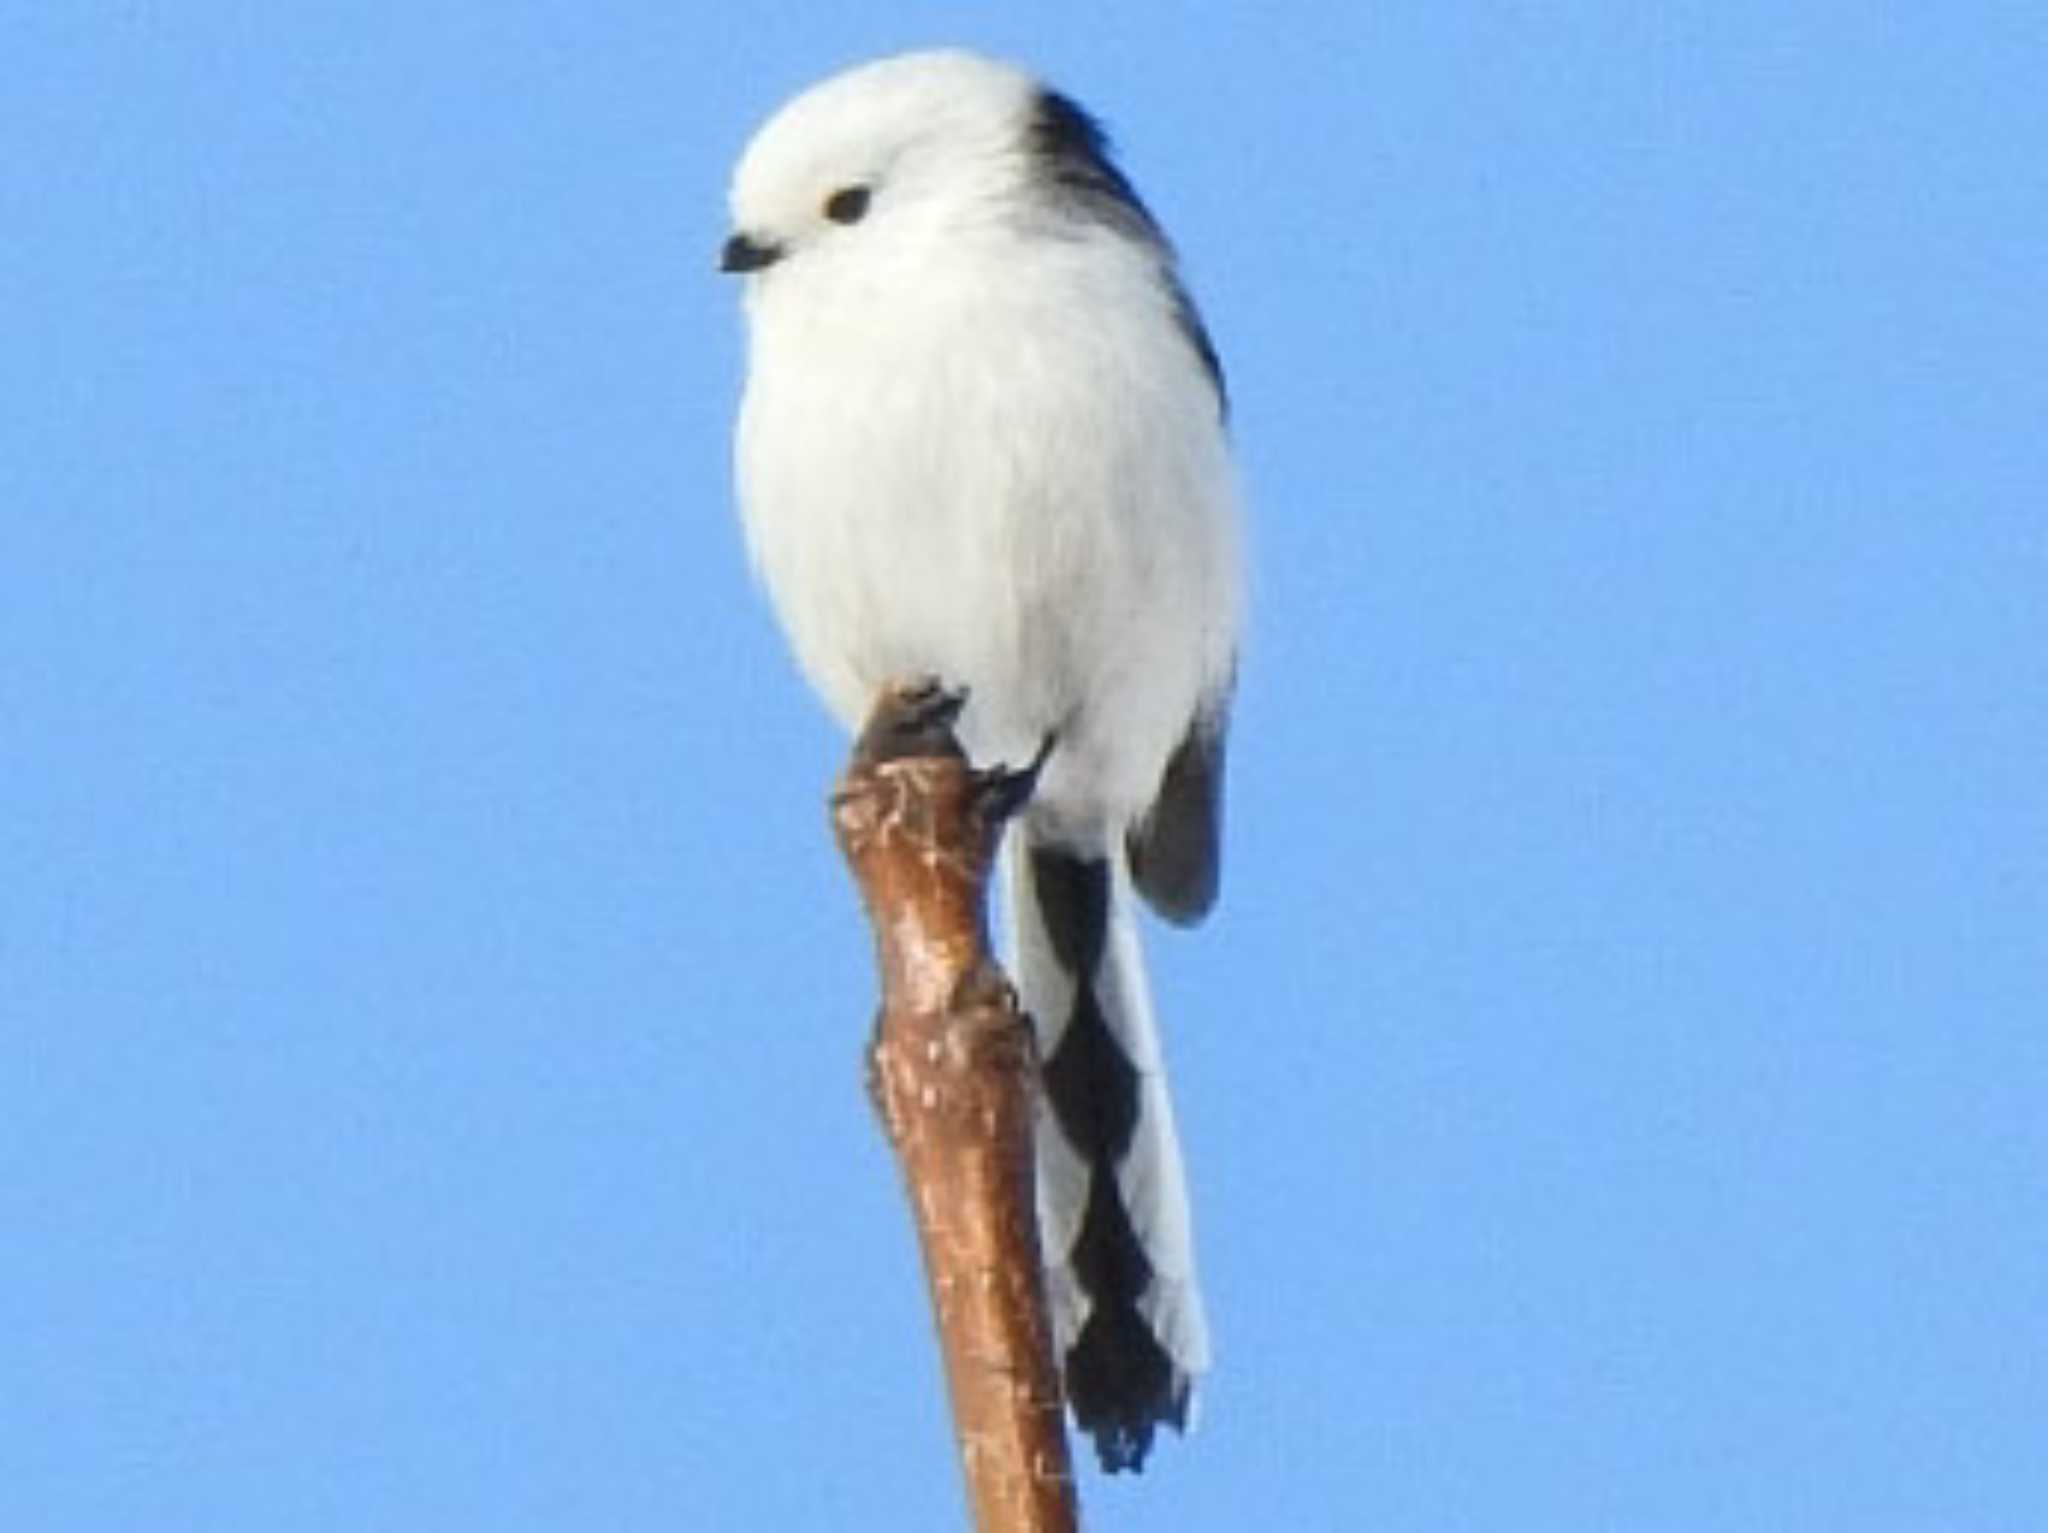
{"x": 912, "y": 718}
{"x": 1005, "y": 790}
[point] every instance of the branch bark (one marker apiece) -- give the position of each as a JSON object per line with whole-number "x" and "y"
{"x": 952, "y": 1075}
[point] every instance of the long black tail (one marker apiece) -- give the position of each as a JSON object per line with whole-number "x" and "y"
{"x": 1112, "y": 1194}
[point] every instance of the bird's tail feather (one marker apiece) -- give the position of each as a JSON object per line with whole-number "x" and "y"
{"x": 1112, "y": 1194}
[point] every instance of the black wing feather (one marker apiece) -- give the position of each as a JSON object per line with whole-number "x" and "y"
{"x": 1074, "y": 152}
{"x": 1176, "y": 851}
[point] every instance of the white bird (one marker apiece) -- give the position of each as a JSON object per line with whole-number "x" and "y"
{"x": 983, "y": 440}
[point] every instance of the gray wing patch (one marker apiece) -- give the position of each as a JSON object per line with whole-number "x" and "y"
{"x": 1176, "y": 851}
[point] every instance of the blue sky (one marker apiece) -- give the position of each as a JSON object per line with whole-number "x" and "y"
{"x": 432, "y": 1009}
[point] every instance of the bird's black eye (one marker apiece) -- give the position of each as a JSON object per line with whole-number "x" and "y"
{"x": 848, "y": 205}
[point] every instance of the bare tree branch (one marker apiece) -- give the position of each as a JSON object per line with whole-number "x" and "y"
{"x": 953, "y": 1079}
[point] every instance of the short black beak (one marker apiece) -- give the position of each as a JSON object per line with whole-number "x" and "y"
{"x": 743, "y": 254}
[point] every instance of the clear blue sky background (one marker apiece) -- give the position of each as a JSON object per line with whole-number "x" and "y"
{"x": 1615, "y": 1081}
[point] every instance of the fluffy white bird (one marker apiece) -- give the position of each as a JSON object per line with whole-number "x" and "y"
{"x": 983, "y": 440}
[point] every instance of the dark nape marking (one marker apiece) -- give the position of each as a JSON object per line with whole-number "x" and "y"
{"x": 1176, "y": 851}
{"x": 1073, "y": 902}
{"x": 1073, "y": 149}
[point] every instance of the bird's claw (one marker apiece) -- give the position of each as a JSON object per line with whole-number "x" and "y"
{"x": 1005, "y": 790}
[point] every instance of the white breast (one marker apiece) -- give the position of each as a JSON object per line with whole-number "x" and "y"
{"x": 1009, "y": 473}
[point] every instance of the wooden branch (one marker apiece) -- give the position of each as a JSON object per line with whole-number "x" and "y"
{"x": 953, "y": 1079}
